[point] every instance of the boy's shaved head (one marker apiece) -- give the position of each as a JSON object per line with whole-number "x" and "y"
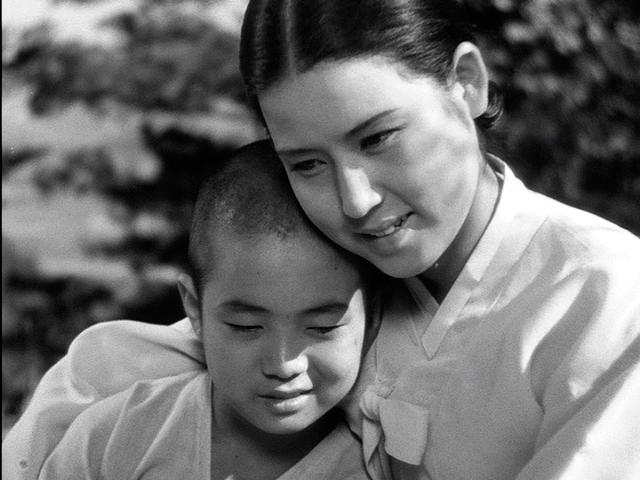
{"x": 248, "y": 195}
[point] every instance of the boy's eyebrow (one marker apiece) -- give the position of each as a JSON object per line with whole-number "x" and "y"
{"x": 327, "y": 308}
{"x": 241, "y": 306}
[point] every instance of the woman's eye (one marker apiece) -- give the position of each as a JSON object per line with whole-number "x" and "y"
{"x": 377, "y": 139}
{"x": 306, "y": 166}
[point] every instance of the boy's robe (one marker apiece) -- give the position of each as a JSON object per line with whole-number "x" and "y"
{"x": 161, "y": 429}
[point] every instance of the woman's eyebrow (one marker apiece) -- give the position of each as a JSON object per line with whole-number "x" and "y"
{"x": 368, "y": 122}
{"x": 355, "y": 131}
{"x": 292, "y": 152}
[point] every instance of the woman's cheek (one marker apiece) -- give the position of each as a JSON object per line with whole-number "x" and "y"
{"x": 318, "y": 204}
{"x": 302, "y": 195}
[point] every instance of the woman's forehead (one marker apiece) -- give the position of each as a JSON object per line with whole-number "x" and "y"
{"x": 349, "y": 68}
{"x": 339, "y": 96}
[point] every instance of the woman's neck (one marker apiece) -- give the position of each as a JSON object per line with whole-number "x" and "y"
{"x": 442, "y": 275}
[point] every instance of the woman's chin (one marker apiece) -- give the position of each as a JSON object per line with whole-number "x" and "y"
{"x": 401, "y": 266}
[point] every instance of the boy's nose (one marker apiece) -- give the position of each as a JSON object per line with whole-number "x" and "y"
{"x": 357, "y": 195}
{"x": 283, "y": 362}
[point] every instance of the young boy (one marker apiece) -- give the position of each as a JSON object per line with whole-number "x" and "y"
{"x": 280, "y": 313}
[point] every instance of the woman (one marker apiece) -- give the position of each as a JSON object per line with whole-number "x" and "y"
{"x": 509, "y": 346}
{"x": 515, "y": 352}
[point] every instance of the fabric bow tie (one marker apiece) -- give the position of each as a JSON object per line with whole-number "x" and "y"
{"x": 402, "y": 425}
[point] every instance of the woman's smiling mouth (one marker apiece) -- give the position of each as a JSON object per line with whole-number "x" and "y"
{"x": 387, "y": 230}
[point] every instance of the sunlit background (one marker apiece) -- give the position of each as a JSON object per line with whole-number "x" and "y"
{"x": 111, "y": 110}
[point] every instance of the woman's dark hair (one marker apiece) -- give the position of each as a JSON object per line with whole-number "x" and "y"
{"x": 284, "y": 36}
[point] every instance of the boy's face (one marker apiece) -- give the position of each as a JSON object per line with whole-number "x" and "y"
{"x": 282, "y": 322}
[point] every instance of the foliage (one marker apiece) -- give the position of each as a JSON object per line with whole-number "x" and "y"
{"x": 571, "y": 76}
{"x": 168, "y": 55}
{"x": 173, "y": 66}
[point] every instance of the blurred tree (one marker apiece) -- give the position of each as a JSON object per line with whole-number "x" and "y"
{"x": 173, "y": 65}
{"x": 40, "y": 315}
{"x": 177, "y": 56}
{"x": 571, "y": 76}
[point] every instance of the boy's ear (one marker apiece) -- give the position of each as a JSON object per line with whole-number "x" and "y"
{"x": 190, "y": 301}
{"x": 470, "y": 75}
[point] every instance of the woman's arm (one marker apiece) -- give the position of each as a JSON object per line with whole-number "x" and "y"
{"x": 601, "y": 439}
{"x": 587, "y": 379}
{"x": 103, "y": 360}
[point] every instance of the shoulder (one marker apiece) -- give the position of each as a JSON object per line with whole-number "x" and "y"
{"x": 131, "y": 333}
{"x": 153, "y": 399}
{"x": 555, "y": 241}
{"x": 578, "y": 259}
{"x": 114, "y": 437}
{"x": 571, "y": 296}
{"x": 110, "y": 356}
{"x": 139, "y": 405}
{"x": 573, "y": 233}
{"x": 585, "y": 259}
{"x": 584, "y": 236}
{"x": 588, "y": 302}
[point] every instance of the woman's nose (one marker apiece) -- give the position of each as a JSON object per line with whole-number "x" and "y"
{"x": 357, "y": 195}
{"x": 283, "y": 361}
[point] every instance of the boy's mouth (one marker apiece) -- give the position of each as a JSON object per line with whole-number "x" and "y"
{"x": 284, "y": 394}
{"x": 286, "y": 403}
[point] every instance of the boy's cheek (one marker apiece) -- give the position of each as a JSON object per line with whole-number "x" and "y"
{"x": 342, "y": 358}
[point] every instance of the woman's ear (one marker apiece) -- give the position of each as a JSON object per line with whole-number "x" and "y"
{"x": 470, "y": 76}
{"x": 190, "y": 302}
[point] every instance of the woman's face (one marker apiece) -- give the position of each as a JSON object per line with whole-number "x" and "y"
{"x": 385, "y": 163}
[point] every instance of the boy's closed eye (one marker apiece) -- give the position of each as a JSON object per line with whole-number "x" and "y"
{"x": 244, "y": 328}
{"x": 324, "y": 330}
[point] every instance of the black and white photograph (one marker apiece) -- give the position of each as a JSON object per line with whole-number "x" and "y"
{"x": 320, "y": 239}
